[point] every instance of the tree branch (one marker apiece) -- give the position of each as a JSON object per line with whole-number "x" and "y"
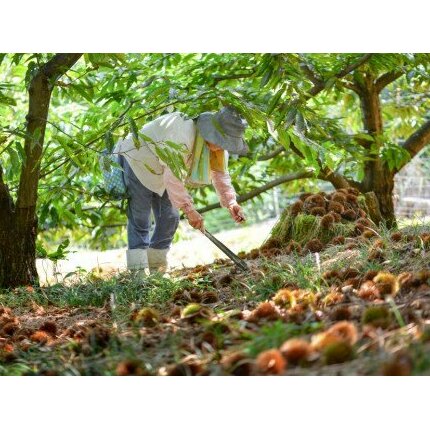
{"x": 346, "y": 71}
{"x": 271, "y": 155}
{"x": 257, "y": 191}
{"x": 417, "y": 141}
{"x": 352, "y": 86}
{"x": 310, "y": 74}
{"x": 386, "y": 79}
{"x": 338, "y": 181}
{"x": 58, "y": 65}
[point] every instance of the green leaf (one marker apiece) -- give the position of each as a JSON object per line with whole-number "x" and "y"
{"x": 109, "y": 141}
{"x": 134, "y": 132}
{"x": 7, "y": 100}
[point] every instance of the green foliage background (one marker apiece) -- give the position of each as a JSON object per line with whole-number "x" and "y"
{"x": 106, "y": 96}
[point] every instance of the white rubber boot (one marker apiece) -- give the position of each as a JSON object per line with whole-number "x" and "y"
{"x": 157, "y": 260}
{"x": 137, "y": 261}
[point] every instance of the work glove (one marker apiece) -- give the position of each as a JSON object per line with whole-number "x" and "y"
{"x": 237, "y": 213}
{"x": 195, "y": 220}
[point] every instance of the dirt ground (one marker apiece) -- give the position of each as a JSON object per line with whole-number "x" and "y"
{"x": 193, "y": 250}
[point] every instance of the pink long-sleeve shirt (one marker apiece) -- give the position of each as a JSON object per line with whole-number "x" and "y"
{"x": 181, "y": 199}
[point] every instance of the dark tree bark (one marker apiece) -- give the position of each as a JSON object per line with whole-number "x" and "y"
{"x": 18, "y": 223}
{"x": 377, "y": 176}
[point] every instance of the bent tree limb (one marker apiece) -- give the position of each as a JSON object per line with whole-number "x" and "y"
{"x": 417, "y": 141}
{"x": 259, "y": 190}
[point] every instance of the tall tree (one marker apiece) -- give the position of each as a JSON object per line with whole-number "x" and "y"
{"x": 18, "y": 227}
{"x": 349, "y": 119}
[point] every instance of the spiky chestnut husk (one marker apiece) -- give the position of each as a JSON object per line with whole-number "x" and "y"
{"x": 130, "y": 368}
{"x": 184, "y": 369}
{"x": 341, "y": 313}
{"x": 386, "y": 283}
{"x": 191, "y": 310}
{"x": 236, "y": 363}
{"x": 225, "y": 280}
{"x": 272, "y": 252}
{"x": 349, "y": 272}
{"x": 293, "y": 246}
{"x": 332, "y": 298}
{"x": 314, "y": 245}
{"x": 424, "y": 335}
{"x": 377, "y": 316}
{"x": 304, "y": 196}
{"x": 376, "y": 255}
{"x": 296, "y": 350}
{"x": 351, "y": 198}
{"x": 368, "y": 234}
{"x": 337, "y": 217}
{"x": 342, "y": 190}
{"x": 422, "y": 276}
{"x": 338, "y": 352}
{"x": 271, "y": 243}
{"x": 50, "y": 327}
{"x": 336, "y": 207}
{"x": 327, "y": 221}
{"x": 210, "y": 297}
{"x": 368, "y": 291}
{"x": 147, "y": 316}
{"x": 10, "y": 328}
{"x": 5, "y": 319}
{"x": 296, "y": 208}
{"x": 346, "y": 331}
{"x": 349, "y": 214}
{"x": 331, "y": 274}
{"x": 284, "y": 298}
{"x": 98, "y": 337}
{"x": 352, "y": 282}
{"x": 399, "y": 365}
{"x": 264, "y": 310}
{"x": 40, "y": 337}
{"x": 364, "y": 221}
{"x": 5, "y": 311}
{"x": 397, "y": 236}
{"x": 379, "y": 243}
{"x": 195, "y": 295}
{"x": 352, "y": 190}
{"x": 314, "y": 200}
{"x": 254, "y": 253}
{"x": 321, "y": 340}
{"x": 271, "y": 362}
{"x": 318, "y": 211}
{"x": 360, "y": 228}
{"x": 338, "y": 240}
{"x": 425, "y": 240}
{"x": 338, "y": 197}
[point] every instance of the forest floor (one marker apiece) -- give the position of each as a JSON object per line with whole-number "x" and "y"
{"x": 191, "y": 250}
{"x": 325, "y": 313}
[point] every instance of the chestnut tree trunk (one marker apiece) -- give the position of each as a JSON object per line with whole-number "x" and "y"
{"x": 18, "y": 221}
